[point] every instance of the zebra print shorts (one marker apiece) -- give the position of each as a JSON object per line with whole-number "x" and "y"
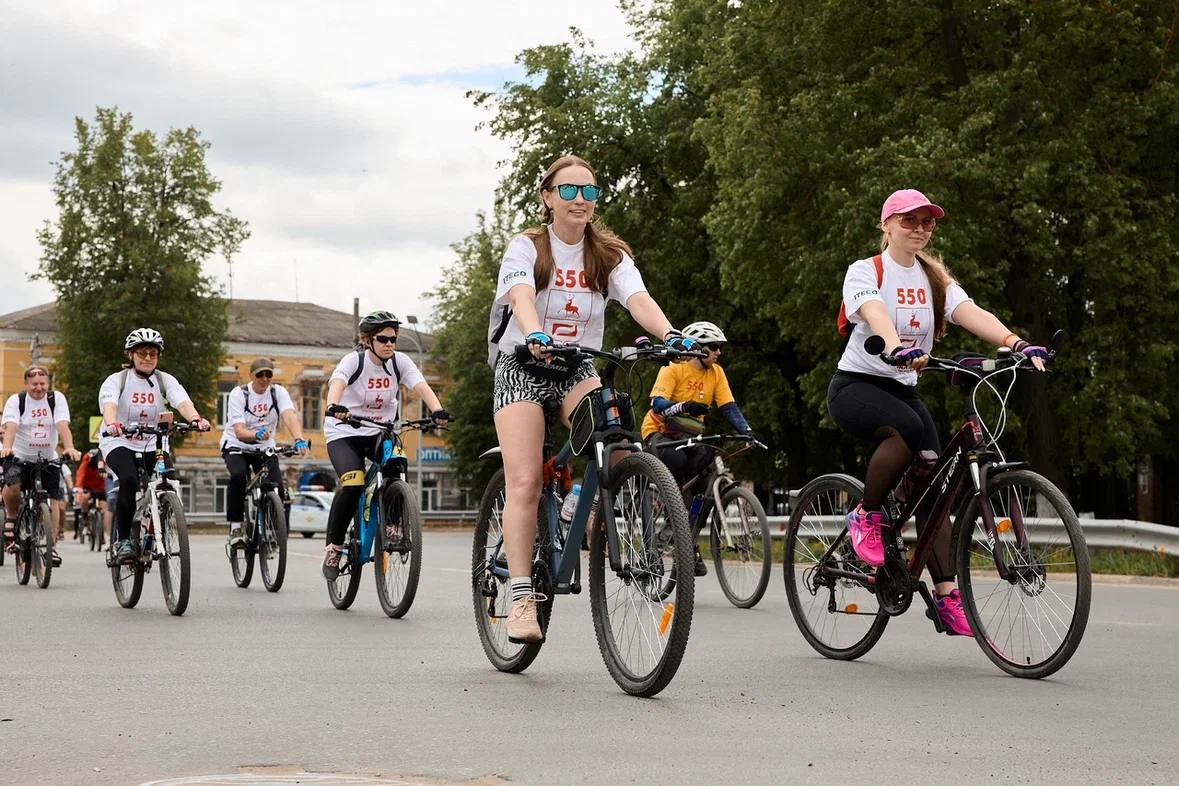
{"x": 513, "y": 383}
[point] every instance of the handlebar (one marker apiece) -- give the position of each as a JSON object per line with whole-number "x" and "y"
{"x": 1006, "y": 358}
{"x": 680, "y": 444}
{"x": 644, "y": 349}
{"x": 280, "y": 449}
{"x": 160, "y": 429}
{"x": 420, "y": 424}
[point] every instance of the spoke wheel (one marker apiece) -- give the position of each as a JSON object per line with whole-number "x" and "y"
{"x": 23, "y": 558}
{"x": 43, "y": 545}
{"x": 742, "y": 569}
{"x": 642, "y": 633}
{"x": 398, "y": 561}
{"x": 175, "y": 570}
{"x": 241, "y": 559}
{"x": 1031, "y": 625}
{"x": 342, "y": 591}
{"x": 839, "y": 617}
{"x": 492, "y": 594}
{"x": 127, "y": 579}
{"x": 272, "y": 542}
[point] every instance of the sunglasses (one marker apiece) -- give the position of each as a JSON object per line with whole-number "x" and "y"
{"x": 147, "y": 354}
{"x": 713, "y": 347}
{"x": 267, "y": 374}
{"x": 568, "y": 191}
{"x": 385, "y": 339}
{"x": 912, "y": 222}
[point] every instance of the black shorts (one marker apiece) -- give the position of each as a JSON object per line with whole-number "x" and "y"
{"x": 863, "y": 404}
{"x": 50, "y": 477}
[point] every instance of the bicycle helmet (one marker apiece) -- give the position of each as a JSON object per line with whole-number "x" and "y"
{"x": 142, "y": 336}
{"x": 377, "y": 320}
{"x": 705, "y": 333}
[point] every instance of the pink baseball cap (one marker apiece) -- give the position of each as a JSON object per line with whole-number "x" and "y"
{"x": 905, "y": 201}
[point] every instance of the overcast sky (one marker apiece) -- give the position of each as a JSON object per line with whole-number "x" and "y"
{"x": 340, "y": 130}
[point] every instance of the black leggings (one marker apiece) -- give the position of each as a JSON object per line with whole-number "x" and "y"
{"x": 684, "y": 464}
{"x": 890, "y": 415}
{"x": 239, "y": 466}
{"x": 348, "y": 455}
{"x": 124, "y": 463}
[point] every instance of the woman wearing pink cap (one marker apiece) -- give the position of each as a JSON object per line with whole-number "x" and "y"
{"x": 906, "y": 296}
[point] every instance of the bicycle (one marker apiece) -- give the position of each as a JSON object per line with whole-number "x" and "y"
{"x": 158, "y": 509}
{"x": 739, "y": 532}
{"x": 264, "y": 523}
{"x": 32, "y": 545}
{"x": 1010, "y": 521}
{"x": 642, "y": 535}
{"x": 92, "y": 526}
{"x": 388, "y": 500}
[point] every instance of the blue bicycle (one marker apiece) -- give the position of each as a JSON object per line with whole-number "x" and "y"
{"x": 387, "y": 527}
{"x": 641, "y": 616}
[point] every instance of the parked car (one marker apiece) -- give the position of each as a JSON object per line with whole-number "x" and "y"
{"x": 309, "y": 512}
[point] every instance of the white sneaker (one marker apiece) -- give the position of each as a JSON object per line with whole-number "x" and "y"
{"x": 523, "y": 625}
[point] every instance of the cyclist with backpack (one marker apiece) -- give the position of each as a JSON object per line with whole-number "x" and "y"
{"x": 253, "y": 414}
{"x": 368, "y": 381}
{"x": 680, "y": 398}
{"x": 138, "y": 394}
{"x": 33, "y": 421}
{"x": 906, "y": 296}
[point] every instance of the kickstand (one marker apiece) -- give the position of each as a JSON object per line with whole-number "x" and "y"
{"x": 931, "y": 607}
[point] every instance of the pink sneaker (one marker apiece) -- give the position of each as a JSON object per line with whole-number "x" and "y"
{"x": 863, "y": 528}
{"x": 949, "y": 609}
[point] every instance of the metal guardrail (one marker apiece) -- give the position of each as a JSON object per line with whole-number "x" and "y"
{"x": 1099, "y": 533}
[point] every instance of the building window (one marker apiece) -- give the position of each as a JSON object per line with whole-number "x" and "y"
{"x": 224, "y": 388}
{"x": 186, "y": 499}
{"x": 429, "y": 495}
{"x": 220, "y": 493}
{"x": 312, "y": 406}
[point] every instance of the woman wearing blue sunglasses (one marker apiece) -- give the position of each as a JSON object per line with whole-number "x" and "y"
{"x": 554, "y": 282}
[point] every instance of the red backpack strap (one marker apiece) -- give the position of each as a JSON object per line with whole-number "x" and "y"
{"x": 878, "y": 261}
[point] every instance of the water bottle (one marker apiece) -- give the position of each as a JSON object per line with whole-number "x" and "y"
{"x": 694, "y": 511}
{"x": 160, "y": 468}
{"x": 920, "y": 470}
{"x": 569, "y": 507}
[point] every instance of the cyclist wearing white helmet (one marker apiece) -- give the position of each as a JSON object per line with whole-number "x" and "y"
{"x": 680, "y": 398}
{"x": 368, "y": 381}
{"x": 139, "y": 394}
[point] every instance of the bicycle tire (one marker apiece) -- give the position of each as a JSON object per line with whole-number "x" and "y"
{"x": 174, "y": 532}
{"x": 342, "y": 591}
{"x": 241, "y": 559}
{"x": 43, "y": 545}
{"x": 644, "y": 557}
{"x": 127, "y": 579}
{"x": 22, "y": 556}
{"x": 505, "y": 655}
{"x": 396, "y": 592}
{"x": 272, "y": 542}
{"x": 1033, "y": 580}
{"x": 824, "y": 498}
{"x": 748, "y": 560}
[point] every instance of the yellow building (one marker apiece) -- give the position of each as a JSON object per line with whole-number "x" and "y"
{"x": 305, "y": 341}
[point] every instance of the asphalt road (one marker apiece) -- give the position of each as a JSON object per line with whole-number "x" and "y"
{"x": 253, "y": 682}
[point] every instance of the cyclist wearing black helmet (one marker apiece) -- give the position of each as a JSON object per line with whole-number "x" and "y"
{"x": 368, "y": 382}
{"x": 139, "y": 394}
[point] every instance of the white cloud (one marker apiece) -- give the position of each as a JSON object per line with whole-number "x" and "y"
{"x": 340, "y": 131}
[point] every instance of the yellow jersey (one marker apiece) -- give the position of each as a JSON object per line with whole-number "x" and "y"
{"x": 686, "y": 382}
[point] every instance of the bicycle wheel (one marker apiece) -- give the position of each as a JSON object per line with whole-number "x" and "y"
{"x": 838, "y": 616}
{"x": 398, "y": 561}
{"x": 743, "y": 569}
{"x": 93, "y": 522}
{"x": 241, "y": 559}
{"x": 1030, "y": 625}
{"x": 642, "y": 635}
{"x": 127, "y": 579}
{"x": 23, "y": 556}
{"x": 175, "y": 572}
{"x": 42, "y": 545}
{"x": 342, "y": 591}
{"x": 272, "y": 542}
{"x": 491, "y": 593}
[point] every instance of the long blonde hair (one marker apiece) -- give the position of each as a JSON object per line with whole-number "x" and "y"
{"x": 603, "y": 249}
{"x": 939, "y": 281}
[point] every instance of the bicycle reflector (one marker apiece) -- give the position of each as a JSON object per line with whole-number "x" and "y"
{"x": 665, "y": 620}
{"x": 1003, "y": 525}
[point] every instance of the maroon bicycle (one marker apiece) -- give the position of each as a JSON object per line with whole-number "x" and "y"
{"x": 1022, "y": 563}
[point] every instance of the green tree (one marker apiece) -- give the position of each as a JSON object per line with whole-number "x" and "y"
{"x": 135, "y": 223}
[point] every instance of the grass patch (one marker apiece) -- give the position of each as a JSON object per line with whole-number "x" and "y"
{"x": 1134, "y": 563}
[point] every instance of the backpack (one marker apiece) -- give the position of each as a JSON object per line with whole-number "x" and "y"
{"x": 159, "y": 383}
{"x": 24, "y": 394}
{"x": 360, "y": 370}
{"x": 841, "y": 321}
{"x": 273, "y": 397}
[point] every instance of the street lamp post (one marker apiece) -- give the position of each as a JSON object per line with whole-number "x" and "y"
{"x": 413, "y": 321}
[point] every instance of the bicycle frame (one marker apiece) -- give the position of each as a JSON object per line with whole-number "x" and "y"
{"x": 368, "y": 511}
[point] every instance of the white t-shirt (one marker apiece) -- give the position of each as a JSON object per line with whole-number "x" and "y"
{"x": 142, "y": 402}
{"x": 570, "y": 310}
{"x": 373, "y": 394}
{"x": 36, "y": 430}
{"x": 254, "y": 411}
{"x": 906, "y": 295}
